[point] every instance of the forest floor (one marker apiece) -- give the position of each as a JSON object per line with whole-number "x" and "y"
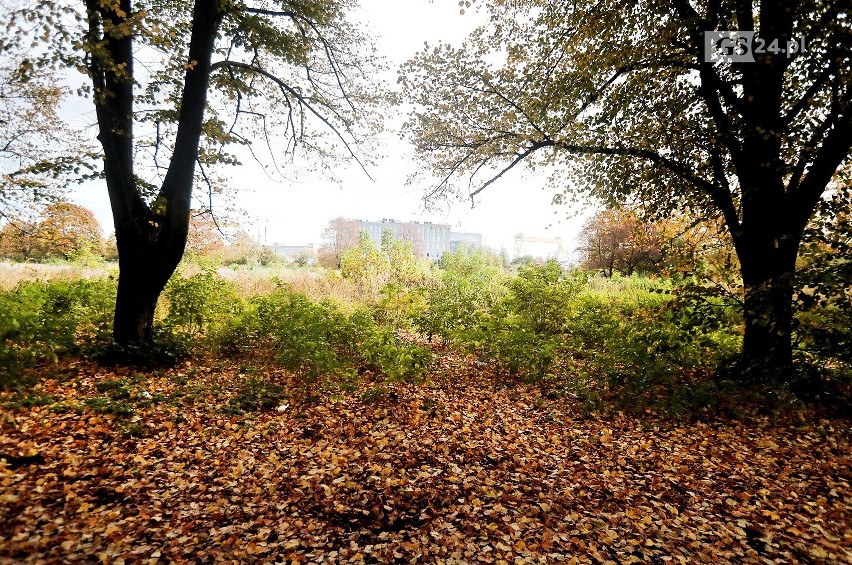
{"x": 116, "y": 466}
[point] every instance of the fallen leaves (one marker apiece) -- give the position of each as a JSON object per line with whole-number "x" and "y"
{"x": 456, "y": 471}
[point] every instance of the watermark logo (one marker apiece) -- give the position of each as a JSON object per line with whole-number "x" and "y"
{"x": 742, "y": 46}
{"x": 728, "y": 46}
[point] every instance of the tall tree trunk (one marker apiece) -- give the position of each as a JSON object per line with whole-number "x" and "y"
{"x": 768, "y": 276}
{"x": 144, "y": 269}
{"x": 150, "y": 241}
{"x": 134, "y": 310}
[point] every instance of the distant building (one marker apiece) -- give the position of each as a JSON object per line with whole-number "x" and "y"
{"x": 428, "y": 239}
{"x": 293, "y": 252}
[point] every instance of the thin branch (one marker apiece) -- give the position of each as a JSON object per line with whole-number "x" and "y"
{"x": 535, "y": 146}
{"x": 287, "y": 89}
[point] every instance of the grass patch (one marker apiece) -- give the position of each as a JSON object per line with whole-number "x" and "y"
{"x": 256, "y": 395}
{"x": 29, "y": 400}
{"x": 103, "y": 405}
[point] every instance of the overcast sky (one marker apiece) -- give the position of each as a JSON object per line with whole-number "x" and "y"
{"x": 295, "y": 213}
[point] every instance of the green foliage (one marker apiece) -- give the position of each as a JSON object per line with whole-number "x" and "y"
{"x": 525, "y": 331}
{"x": 115, "y": 407}
{"x": 198, "y": 306}
{"x": 29, "y": 399}
{"x": 39, "y": 321}
{"x": 823, "y": 324}
{"x": 86, "y": 256}
{"x": 395, "y": 359}
{"x": 365, "y": 264}
{"x": 470, "y": 284}
{"x": 403, "y": 296}
{"x": 309, "y": 339}
{"x": 538, "y": 296}
{"x": 400, "y": 305}
{"x": 628, "y": 339}
{"x": 320, "y": 343}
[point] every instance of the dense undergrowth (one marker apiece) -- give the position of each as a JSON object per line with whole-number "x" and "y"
{"x": 631, "y": 343}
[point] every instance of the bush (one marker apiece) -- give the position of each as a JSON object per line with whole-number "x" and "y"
{"x": 515, "y": 349}
{"x": 520, "y": 324}
{"x": 321, "y": 344}
{"x": 399, "y": 305}
{"x": 650, "y": 347}
{"x": 545, "y": 324}
{"x": 366, "y": 265}
{"x": 39, "y": 321}
{"x": 471, "y": 284}
{"x": 197, "y": 306}
{"x": 539, "y": 296}
{"x": 396, "y": 360}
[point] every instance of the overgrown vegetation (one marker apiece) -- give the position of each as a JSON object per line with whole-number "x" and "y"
{"x": 39, "y": 321}
{"x": 634, "y": 341}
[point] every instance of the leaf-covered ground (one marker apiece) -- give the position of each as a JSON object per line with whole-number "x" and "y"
{"x": 100, "y": 466}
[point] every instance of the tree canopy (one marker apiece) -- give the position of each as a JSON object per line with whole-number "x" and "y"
{"x": 174, "y": 84}
{"x": 39, "y": 153}
{"x": 621, "y": 101}
{"x": 617, "y": 96}
{"x": 62, "y": 229}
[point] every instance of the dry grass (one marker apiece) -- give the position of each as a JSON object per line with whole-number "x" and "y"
{"x": 315, "y": 283}
{"x": 12, "y": 274}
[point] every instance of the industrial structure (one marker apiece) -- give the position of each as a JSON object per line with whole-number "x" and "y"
{"x": 547, "y": 247}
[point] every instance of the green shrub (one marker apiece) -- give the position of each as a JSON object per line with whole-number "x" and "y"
{"x": 39, "y": 321}
{"x": 634, "y": 340}
{"x": 655, "y": 353}
{"x": 393, "y": 358}
{"x": 197, "y": 306}
{"x": 471, "y": 284}
{"x": 366, "y": 265}
{"x": 321, "y": 344}
{"x": 516, "y": 349}
{"x": 539, "y": 296}
{"x": 400, "y": 305}
{"x": 521, "y": 325}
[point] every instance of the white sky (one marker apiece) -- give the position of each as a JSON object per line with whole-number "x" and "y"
{"x": 295, "y": 213}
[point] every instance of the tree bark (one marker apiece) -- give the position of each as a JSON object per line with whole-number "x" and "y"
{"x": 134, "y": 311}
{"x": 768, "y": 278}
{"x": 150, "y": 241}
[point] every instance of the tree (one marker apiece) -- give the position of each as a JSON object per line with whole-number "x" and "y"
{"x": 17, "y": 239}
{"x": 366, "y": 264}
{"x": 66, "y": 229}
{"x": 39, "y": 153}
{"x": 404, "y": 267}
{"x": 62, "y": 230}
{"x": 824, "y": 278}
{"x": 409, "y": 232}
{"x": 242, "y": 249}
{"x": 174, "y": 83}
{"x": 340, "y": 234}
{"x": 204, "y": 237}
{"x": 620, "y": 98}
{"x": 617, "y": 240}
